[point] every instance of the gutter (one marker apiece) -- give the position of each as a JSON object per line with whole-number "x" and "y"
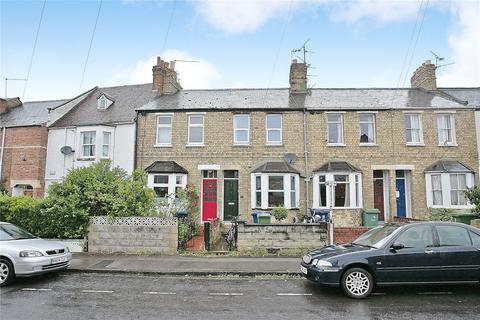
{"x": 4, "y": 131}
{"x": 305, "y": 154}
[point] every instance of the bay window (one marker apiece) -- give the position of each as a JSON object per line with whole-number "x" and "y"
{"x": 166, "y": 185}
{"x": 88, "y": 141}
{"x": 337, "y": 189}
{"x": 271, "y": 190}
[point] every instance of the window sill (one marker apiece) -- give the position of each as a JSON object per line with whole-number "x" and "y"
{"x": 162, "y": 145}
{"x": 274, "y": 144}
{"x": 415, "y": 144}
{"x": 336, "y": 145}
{"x": 194, "y": 145}
{"x": 448, "y": 145}
{"x": 86, "y": 159}
{"x": 368, "y": 144}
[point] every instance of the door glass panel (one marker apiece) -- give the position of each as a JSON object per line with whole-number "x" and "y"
{"x": 453, "y": 236}
{"x": 419, "y": 237}
{"x": 230, "y": 174}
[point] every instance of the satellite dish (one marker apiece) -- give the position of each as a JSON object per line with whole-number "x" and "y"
{"x": 290, "y": 158}
{"x": 66, "y": 150}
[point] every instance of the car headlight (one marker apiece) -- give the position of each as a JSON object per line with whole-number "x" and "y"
{"x": 30, "y": 253}
{"x": 307, "y": 258}
{"x": 322, "y": 263}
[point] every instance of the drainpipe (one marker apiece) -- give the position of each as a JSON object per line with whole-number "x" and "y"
{"x": 4, "y": 130}
{"x": 305, "y": 154}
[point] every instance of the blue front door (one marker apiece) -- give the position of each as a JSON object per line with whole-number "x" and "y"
{"x": 401, "y": 204}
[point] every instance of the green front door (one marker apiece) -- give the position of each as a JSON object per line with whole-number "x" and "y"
{"x": 230, "y": 195}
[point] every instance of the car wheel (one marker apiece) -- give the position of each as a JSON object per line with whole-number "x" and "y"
{"x": 357, "y": 283}
{"x": 6, "y": 272}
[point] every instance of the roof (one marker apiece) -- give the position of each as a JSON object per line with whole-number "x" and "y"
{"x": 448, "y": 165}
{"x": 319, "y": 99}
{"x": 29, "y": 113}
{"x": 275, "y": 167}
{"x": 337, "y": 165}
{"x": 126, "y": 100}
{"x": 470, "y": 95}
{"x": 165, "y": 167}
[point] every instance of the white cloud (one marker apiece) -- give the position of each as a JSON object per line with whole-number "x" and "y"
{"x": 465, "y": 44}
{"x": 192, "y": 75}
{"x": 242, "y": 16}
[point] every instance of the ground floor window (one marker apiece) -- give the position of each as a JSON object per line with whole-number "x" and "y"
{"x": 166, "y": 185}
{"x": 337, "y": 189}
{"x": 447, "y": 190}
{"x": 271, "y": 190}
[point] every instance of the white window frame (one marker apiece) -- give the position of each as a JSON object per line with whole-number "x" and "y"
{"x": 453, "y": 141}
{"x": 420, "y": 129}
{"x": 103, "y": 145}
{"x": 94, "y": 144}
{"x": 446, "y": 189}
{"x": 355, "y": 188}
{"x": 373, "y": 122}
{"x": 341, "y": 142}
{"x": 287, "y": 191}
{"x": 236, "y": 129}
{"x": 171, "y": 185}
{"x": 202, "y": 125}
{"x": 166, "y": 126}
{"x": 103, "y": 102}
{"x": 274, "y": 143}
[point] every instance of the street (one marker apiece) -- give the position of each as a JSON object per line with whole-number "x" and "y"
{"x": 71, "y": 296}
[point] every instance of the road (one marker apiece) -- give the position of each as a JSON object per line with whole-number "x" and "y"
{"x": 131, "y": 296}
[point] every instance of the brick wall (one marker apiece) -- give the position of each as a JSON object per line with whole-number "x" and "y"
{"x": 24, "y": 158}
{"x": 346, "y": 235}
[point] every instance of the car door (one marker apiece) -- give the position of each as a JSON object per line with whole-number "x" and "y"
{"x": 416, "y": 262}
{"x": 459, "y": 258}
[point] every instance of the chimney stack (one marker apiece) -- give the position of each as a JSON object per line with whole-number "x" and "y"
{"x": 424, "y": 77}
{"x": 165, "y": 78}
{"x": 10, "y": 103}
{"x": 298, "y": 77}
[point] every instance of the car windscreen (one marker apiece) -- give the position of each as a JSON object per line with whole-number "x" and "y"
{"x": 12, "y": 232}
{"x": 374, "y": 237}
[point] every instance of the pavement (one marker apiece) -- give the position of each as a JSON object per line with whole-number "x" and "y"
{"x": 185, "y": 265}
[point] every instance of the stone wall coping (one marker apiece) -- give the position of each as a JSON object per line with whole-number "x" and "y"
{"x": 280, "y": 224}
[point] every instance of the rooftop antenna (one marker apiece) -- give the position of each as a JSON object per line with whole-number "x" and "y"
{"x": 179, "y": 60}
{"x": 303, "y": 50}
{"x": 440, "y": 59}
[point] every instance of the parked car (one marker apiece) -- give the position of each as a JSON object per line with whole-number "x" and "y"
{"x": 22, "y": 254}
{"x": 398, "y": 254}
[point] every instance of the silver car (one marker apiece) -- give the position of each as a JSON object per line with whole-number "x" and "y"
{"x": 22, "y": 254}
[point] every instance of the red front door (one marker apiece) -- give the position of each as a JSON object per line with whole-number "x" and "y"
{"x": 209, "y": 199}
{"x": 378, "y": 199}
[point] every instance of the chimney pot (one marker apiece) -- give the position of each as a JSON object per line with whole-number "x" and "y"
{"x": 172, "y": 65}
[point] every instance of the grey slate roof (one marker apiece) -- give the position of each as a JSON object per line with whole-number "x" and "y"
{"x": 29, "y": 113}
{"x": 320, "y": 99}
{"x": 471, "y": 95}
{"x": 337, "y": 165}
{"x": 275, "y": 167}
{"x": 448, "y": 165}
{"x": 165, "y": 167}
{"x": 127, "y": 99}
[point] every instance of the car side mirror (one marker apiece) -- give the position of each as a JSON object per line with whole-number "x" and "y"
{"x": 397, "y": 246}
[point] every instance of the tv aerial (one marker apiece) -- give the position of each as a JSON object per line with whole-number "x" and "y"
{"x": 440, "y": 59}
{"x": 302, "y": 50}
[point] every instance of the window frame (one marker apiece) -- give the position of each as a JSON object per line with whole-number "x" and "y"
{"x": 373, "y": 122}
{"x": 171, "y": 185}
{"x": 267, "y": 130}
{"x": 420, "y": 141}
{"x": 265, "y": 190}
{"x": 94, "y": 144}
{"x": 190, "y": 125}
{"x": 341, "y": 131}
{"x": 103, "y": 144}
{"x": 355, "y": 189}
{"x": 453, "y": 137}
{"x": 446, "y": 189}
{"x": 236, "y": 129}
{"x": 166, "y": 126}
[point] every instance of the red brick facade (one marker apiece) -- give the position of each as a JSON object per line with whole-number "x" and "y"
{"x": 346, "y": 235}
{"x": 24, "y": 158}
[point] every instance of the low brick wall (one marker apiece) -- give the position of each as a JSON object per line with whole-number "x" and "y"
{"x": 345, "y": 235}
{"x": 133, "y": 235}
{"x": 281, "y": 236}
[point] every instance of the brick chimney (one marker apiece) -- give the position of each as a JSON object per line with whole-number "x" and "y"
{"x": 424, "y": 77}
{"x": 10, "y": 103}
{"x": 3, "y": 106}
{"x": 298, "y": 77}
{"x": 165, "y": 78}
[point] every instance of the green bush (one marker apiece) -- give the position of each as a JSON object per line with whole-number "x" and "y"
{"x": 280, "y": 213}
{"x": 22, "y": 211}
{"x": 473, "y": 196}
{"x": 440, "y": 214}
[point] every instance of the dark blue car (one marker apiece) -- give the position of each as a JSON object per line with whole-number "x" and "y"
{"x": 398, "y": 254}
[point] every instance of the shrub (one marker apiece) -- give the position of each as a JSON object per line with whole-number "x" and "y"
{"x": 440, "y": 214}
{"x": 280, "y": 213}
{"x": 23, "y": 211}
{"x": 473, "y": 196}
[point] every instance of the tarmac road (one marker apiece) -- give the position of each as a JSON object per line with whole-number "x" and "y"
{"x": 133, "y": 296}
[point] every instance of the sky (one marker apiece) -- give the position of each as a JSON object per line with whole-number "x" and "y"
{"x": 62, "y": 49}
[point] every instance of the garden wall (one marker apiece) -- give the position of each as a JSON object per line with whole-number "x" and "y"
{"x": 346, "y": 235}
{"x": 133, "y": 235}
{"x": 281, "y": 236}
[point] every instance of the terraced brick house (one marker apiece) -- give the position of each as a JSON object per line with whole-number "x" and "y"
{"x": 401, "y": 150}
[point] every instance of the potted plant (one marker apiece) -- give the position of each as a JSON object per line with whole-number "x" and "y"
{"x": 280, "y": 213}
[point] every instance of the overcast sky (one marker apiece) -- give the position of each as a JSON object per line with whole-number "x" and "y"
{"x": 240, "y": 44}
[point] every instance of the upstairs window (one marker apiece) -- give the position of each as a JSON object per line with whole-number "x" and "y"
{"x": 335, "y": 128}
{"x": 164, "y": 130}
{"x": 88, "y": 140}
{"x": 241, "y": 129}
{"x": 446, "y": 130}
{"x": 413, "y": 129}
{"x": 106, "y": 144}
{"x": 103, "y": 102}
{"x": 195, "y": 129}
{"x": 274, "y": 129}
{"x": 367, "y": 128}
